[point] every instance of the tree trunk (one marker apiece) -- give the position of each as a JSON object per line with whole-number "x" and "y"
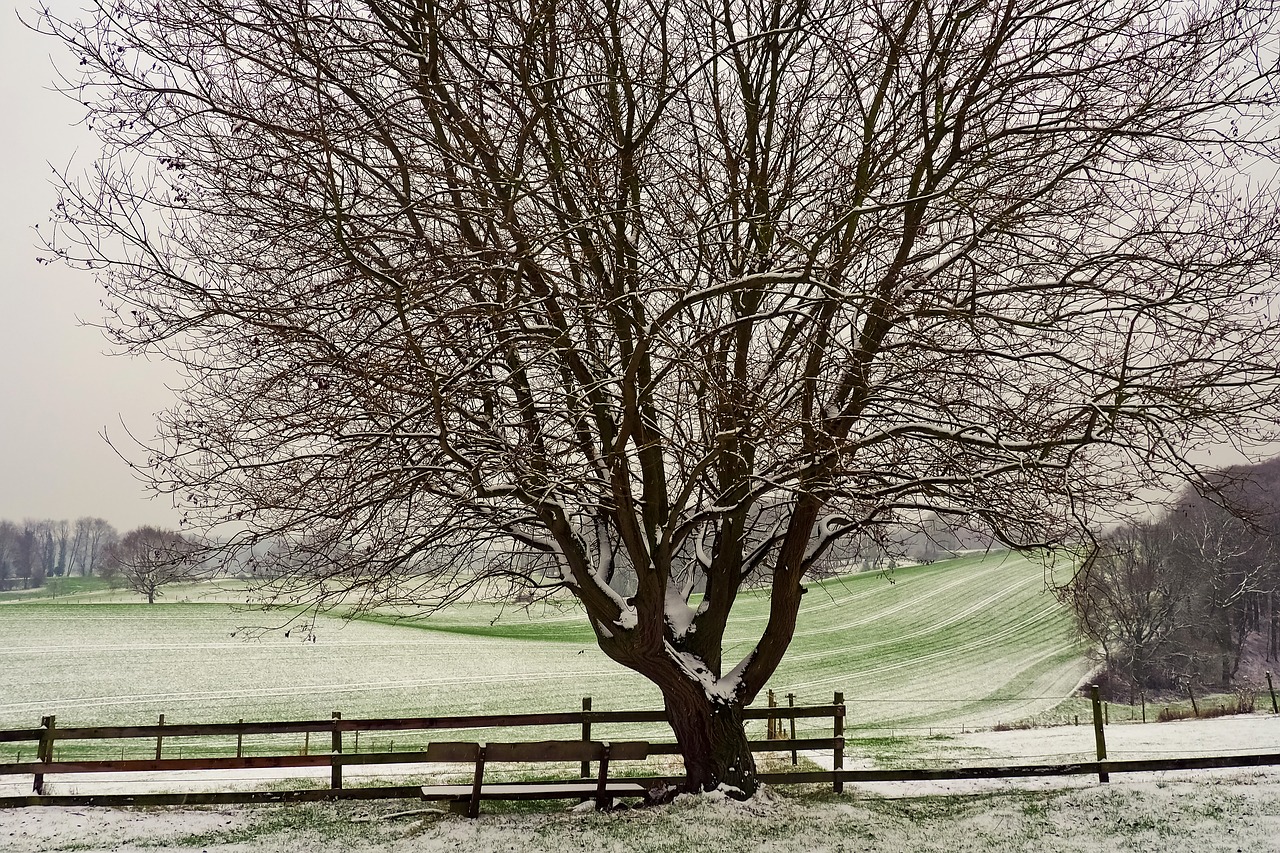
{"x": 712, "y": 739}
{"x": 1275, "y": 619}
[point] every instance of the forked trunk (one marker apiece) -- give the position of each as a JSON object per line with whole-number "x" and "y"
{"x": 712, "y": 739}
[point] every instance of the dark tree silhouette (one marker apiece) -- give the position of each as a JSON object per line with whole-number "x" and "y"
{"x": 149, "y": 558}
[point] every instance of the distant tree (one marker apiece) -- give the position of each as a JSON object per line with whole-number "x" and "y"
{"x": 8, "y": 552}
{"x": 149, "y": 558}
{"x": 60, "y": 533}
{"x": 629, "y": 300}
{"x": 26, "y": 556}
{"x": 91, "y": 538}
{"x": 48, "y": 553}
{"x": 76, "y": 548}
{"x": 1131, "y": 598}
{"x": 932, "y": 538}
{"x": 1232, "y": 562}
{"x": 1179, "y": 597}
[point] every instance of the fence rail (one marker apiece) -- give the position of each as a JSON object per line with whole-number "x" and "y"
{"x": 49, "y": 736}
{"x": 390, "y": 724}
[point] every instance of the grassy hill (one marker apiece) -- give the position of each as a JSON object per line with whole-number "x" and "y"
{"x": 966, "y": 642}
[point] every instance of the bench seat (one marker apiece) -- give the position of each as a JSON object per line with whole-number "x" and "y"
{"x": 575, "y": 789}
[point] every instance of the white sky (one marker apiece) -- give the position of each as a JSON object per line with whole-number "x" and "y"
{"x": 58, "y": 390}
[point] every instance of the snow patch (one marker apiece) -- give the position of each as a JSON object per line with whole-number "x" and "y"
{"x": 679, "y": 614}
{"x": 627, "y": 618}
{"x": 716, "y": 689}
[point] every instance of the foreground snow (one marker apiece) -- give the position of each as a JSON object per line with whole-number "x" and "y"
{"x": 1225, "y": 810}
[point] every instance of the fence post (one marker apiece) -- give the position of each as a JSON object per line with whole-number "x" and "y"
{"x": 1272, "y": 690}
{"x": 160, "y": 738}
{"x": 837, "y": 752}
{"x": 44, "y": 752}
{"x": 240, "y": 740}
{"x": 335, "y": 758}
{"x": 1144, "y": 706}
{"x": 791, "y": 703}
{"x": 1195, "y": 709}
{"x": 586, "y": 733}
{"x": 771, "y": 725}
{"x": 1099, "y": 737}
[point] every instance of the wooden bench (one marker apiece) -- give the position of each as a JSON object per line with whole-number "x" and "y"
{"x": 601, "y": 789}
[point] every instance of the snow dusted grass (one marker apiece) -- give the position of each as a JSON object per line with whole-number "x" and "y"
{"x": 1227, "y": 811}
{"x": 968, "y": 642}
{"x": 126, "y": 664}
{"x": 959, "y": 644}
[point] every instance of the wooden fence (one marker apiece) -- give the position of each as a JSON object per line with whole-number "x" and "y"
{"x": 341, "y": 732}
{"x": 340, "y": 735}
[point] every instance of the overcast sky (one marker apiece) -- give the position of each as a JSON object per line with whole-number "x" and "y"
{"x": 58, "y": 388}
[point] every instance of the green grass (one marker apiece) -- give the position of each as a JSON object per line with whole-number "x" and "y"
{"x": 971, "y": 641}
{"x": 61, "y": 587}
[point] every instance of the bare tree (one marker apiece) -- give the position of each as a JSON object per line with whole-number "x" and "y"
{"x": 1132, "y": 600}
{"x": 35, "y": 555}
{"x": 59, "y": 553}
{"x": 1231, "y": 562}
{"x": 91, "y": 538}
{"x": 1177, "y": 598}
{"x": 634, "y": 299}
{"x": 9, "y": 534}
{"x": 149, "y": 558}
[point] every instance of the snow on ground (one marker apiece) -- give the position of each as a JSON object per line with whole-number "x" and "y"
{"x": 1222, "y": 810}
{"x": 968, "y": 642}
{"x": 1066, "y": 744}
{"x": 191, "y": 781}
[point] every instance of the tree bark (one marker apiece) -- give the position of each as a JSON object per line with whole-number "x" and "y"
{"x": 713, "y": 740}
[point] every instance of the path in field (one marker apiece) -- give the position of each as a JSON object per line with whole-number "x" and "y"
{"x": 962, "y": 643}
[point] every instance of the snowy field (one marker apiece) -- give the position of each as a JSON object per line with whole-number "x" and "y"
{"x": 1227, "y": 810}
{"x": 968, "y": 642}
{"x": 922, "y": 657}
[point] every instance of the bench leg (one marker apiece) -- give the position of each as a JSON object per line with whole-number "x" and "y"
{"x": 473, "y": 808}
{"x": 603, "y": 800}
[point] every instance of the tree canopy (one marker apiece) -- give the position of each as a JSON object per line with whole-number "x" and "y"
{"x": 1191, "y": 595}
{"x": 150, "y": 558}
{"x": 639, "y": 299}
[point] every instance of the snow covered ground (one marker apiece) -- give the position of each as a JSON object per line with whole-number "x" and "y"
{"x": 1223, "y": 810}
{"x": 969, "y": 642}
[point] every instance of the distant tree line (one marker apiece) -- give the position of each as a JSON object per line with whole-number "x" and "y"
{"x": 904, "y": 542}
{"x": 1191, "y": 596}
{"x": 33, "y": 551}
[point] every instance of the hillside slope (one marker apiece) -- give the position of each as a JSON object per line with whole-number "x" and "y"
{"x": 967, "y": 642}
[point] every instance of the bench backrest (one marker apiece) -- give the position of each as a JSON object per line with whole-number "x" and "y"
{"x": 546, "y": 750}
